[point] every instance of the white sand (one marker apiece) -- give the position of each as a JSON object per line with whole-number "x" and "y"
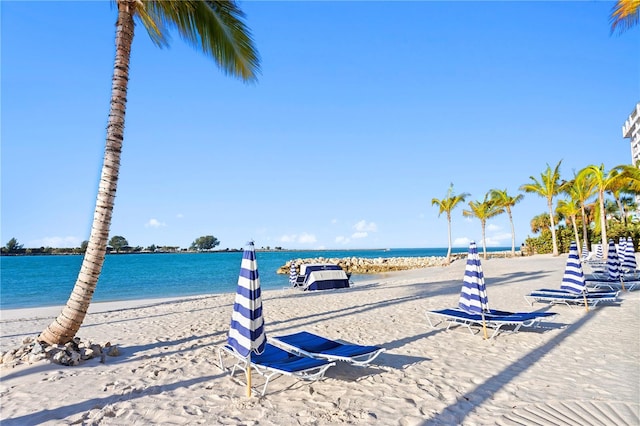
{"x": 582, "y": 368}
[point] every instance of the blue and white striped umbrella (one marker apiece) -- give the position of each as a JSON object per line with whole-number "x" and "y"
{"x": 573, "y": 278}
{"x": 613, "y": 263}
{"x": 293, "y": 274}
{"x": 585, "y": 251}
{"x": 246, "y": 333}
{"x": 599, "y": 253}
{"x": 629, "y": 260}
{"x": 620, "y": 250}
{"x": 473, "y": 296}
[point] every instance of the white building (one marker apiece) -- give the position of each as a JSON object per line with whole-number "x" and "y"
{"x": 631, "y": 130}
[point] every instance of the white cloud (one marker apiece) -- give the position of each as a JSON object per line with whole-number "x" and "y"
{"x": 303, "y": 238}
{"x": 55, "y": 242}
{"x": 358, "y": 235}
{"x": 154, "y": 223}
{"x": 461, "y": 241}
{"x": 363, "y": 226}
{"x": 334, "y": 221}
{"x": 493, "y": 228}
{"x": 307, "y": 238}
{"x": 179, "y": 216}
{"x": 342, "y": 240}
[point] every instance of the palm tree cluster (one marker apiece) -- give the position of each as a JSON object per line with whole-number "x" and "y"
{"x": 581, "y": 201}
{"x": 495, "y": 202}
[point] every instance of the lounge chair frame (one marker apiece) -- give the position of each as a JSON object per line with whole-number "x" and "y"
{"x": 495, "y": 319}
{"x": 311, "y": 374}
{"x": 360, "y": 360}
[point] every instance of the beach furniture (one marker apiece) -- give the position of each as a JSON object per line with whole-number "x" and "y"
{"x": 620, "y": 272}
{"x": 318, "y": 347}
{"x": 273, "y": 362}
{"x": 493, "y": 319}
{"x": 573, "y": 290}
{"x": 321, "y": 276}
{"x": 473, "y": 305}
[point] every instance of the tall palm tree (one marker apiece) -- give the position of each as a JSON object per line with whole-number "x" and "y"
{"x": 580, "y": 189}
{"x": 506, "y": 202}
{"x": 602, "y": 181}
{"x": 217, "y": 28}
{"x": 624, "y": 15}
{"x": 446, "y": 205}
{"x": 483, "y": 210}
{"x": 548, "y": 187}
{"x": 570, "y": 209}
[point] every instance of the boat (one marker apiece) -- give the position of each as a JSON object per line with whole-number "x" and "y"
{"x": 321, "y": 276}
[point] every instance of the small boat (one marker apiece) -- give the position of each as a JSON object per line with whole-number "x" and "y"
{"x": 321, "y": 276}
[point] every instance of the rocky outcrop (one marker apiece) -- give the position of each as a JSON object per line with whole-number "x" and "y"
{"x": 362, "y": 265}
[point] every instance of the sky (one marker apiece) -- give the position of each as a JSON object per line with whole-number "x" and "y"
{"x": 363, "y": 112}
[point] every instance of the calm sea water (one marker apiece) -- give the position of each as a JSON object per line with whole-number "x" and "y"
{"x": 33, "y": 281}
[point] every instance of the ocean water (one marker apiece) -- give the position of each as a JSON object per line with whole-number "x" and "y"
{"x": 34, "y": 281}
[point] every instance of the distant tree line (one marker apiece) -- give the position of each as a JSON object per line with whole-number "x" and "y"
{"x": 117, "y": 244}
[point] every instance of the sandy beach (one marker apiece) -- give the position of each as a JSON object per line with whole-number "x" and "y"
{"x": 580, "y": 368}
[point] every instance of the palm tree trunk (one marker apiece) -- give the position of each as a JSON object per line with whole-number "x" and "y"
{"x": 67, "y": 324}
{"x": 449, "y": 228}
{"x": 576, "y": 234}
{"x": 585, "y": 237}
{"x": 513, "y": 234}
{"x": 553, "y": 229}
{"x": 484, "y": 242}
{"x": 603, "y": 224}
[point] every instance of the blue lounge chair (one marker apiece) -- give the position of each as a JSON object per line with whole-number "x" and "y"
{"x": 553, "y": 297}
{"x": 492, "y": 319}
{"x": 275, "y": 361}
{"x": 318, "y": 347}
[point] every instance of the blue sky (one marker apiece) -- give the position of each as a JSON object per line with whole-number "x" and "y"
{"x": 363, "y": 112}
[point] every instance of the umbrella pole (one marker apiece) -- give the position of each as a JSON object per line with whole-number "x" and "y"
{"x": 586, "y": 305}
{"x": 484, "y": 327}
{"x": 248, "y": 373}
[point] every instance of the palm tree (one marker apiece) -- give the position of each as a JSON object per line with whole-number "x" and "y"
{"x": 624, "y": 15}
{"x": 505, "y": 202}
{"x": 447, "y": 205}
{"x": 580, "y": 189}
{"x": 540, "y": 222}
{"x": 483, "y": 210}
{"x": 217, "y": 28}
{"x": 570, "y": 209}
{"x": 603, "y": 182}
{"x": 548, "y": 186}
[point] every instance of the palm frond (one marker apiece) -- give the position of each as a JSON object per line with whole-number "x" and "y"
{"x": 624, "y": 15}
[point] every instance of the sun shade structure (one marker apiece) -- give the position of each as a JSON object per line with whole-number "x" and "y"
{"x": 613, "y": 264}
{"x": 473, "y": 296}
{"x": 246, "y": 333}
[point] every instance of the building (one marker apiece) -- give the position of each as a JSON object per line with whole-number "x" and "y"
{"x": 631, "y": 130}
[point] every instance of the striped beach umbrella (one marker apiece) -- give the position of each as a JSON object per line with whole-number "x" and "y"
{"x": 573, "y": 278}
{"x": 599, "y": 254}
{"x": 585, "y": 251}
{"x": 620, "y": 250}
{"x": 246, "y": 333}
{"x": 293, "y": 274}
{"x": 629, "y": 260}
{"x": 473, "y": 296}
{"x": 613, "y": 264}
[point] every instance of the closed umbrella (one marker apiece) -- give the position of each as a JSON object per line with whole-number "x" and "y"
{"x": 473, "y": 296}
{"x": 573, "y": 278}
{"x": 585, "y": 251}
{"x": 629, "y": 261}
{"x": 293, "y": 274}
{"x": 613, "y": 264}
{"x": 246, "y": 333}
